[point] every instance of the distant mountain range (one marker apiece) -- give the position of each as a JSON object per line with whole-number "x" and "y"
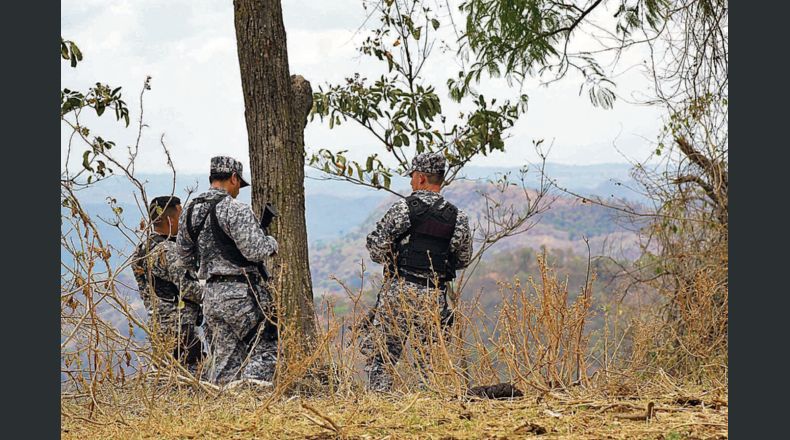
{"x": 563, "y": 227}
{"x": 339, "y": 214}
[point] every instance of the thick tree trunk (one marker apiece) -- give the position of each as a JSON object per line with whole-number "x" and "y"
{"x": 276, "y": 108}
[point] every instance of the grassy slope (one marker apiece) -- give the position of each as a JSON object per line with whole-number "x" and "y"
{"x": 412, "y": 416}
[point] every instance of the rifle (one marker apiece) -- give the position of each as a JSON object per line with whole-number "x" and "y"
{"x": 448, "y": 313}
{"x": 269, "y": 214}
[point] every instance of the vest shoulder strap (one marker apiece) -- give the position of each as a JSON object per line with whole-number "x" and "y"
{"x": 194, "y": 233}
{"x": 227, "y": 246}
{"x": 422, "y": 215}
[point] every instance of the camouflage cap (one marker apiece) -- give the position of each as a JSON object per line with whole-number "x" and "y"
{"x": 429, "y": 163}
{"x": 228, "y": 165}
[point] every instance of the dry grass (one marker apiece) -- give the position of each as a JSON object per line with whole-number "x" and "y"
{"x": 536, "y": 341}
{"x": 184, "y": 414}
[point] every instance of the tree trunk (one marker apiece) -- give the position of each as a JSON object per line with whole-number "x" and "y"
{"x": 276, "y": 108}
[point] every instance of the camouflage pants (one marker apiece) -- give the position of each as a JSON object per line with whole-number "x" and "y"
{"x": 180, "y": 328}
{"x": 405, "y": 312}
{"x": 242, "y": 344}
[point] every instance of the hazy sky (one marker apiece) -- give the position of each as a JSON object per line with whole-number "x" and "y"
{"x": 189, "y": 49}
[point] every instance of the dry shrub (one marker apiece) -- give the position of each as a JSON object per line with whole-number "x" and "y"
{"x": 694, "y": 346}
{"x": 648, "y": 350}
{"x": 427, "y": 360}
{"x": 538, "y": 336}
{"x": 538, "y": 339}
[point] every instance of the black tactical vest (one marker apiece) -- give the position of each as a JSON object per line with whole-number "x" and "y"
{"x": 164, "y": 289}
{"x": 430, "y": 234}
{"x": 226, "y": 245}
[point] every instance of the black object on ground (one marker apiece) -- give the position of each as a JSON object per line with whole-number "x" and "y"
{"x": 499, "y": 391}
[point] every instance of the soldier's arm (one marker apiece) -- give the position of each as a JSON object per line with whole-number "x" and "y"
{"x": 174, "y": 271}
{"x": 138, "y": 268}
{"x": 461, "y": 243}
{"x": 241, "y": 225}
{"x": 158, "y": 262}
{"x": 394, "y": 223}
{"x": 185, "y": 249}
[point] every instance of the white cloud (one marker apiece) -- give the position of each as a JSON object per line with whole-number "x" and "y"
{"x": 189, "y": 49}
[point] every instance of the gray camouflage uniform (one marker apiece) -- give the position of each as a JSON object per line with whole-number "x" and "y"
{"x": 165, "y": 315}
{"x": 235, "y": 311}
{"x": 393, "y": 322}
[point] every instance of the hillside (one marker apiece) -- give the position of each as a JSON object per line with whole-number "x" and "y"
{"x": 337, "y": 212}
{"x": 561, "y": 228}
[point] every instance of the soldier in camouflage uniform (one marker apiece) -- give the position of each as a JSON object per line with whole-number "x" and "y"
{"x": 170, "y": 293}
{"x": 221, "y": 238}
{"x": 421, "y": 241}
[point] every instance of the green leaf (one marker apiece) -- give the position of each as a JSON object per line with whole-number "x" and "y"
{"x": 435, "y": 23}
{"x": 85, "y": 161}
{"x": 76, "y": 51}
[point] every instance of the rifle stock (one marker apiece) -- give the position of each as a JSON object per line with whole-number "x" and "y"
{"x": 268, "y": 216}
